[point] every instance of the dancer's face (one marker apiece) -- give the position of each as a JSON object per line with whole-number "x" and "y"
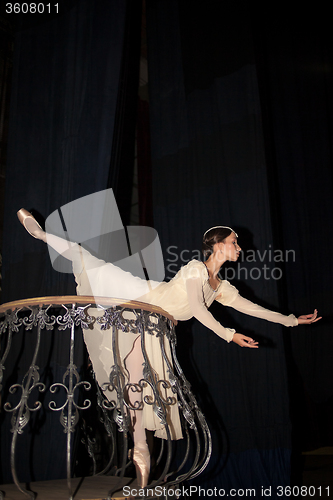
{"x": 230, "y": 248}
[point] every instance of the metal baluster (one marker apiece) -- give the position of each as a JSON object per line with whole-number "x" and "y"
{"x": 12, "y": 323}
{"x": 113, "y": 319}
{"x": 102, "y": 403}
{"x": 193, "y": 404}
{"x": 72, "y": 317}
{"x": 189, "y": 417}
{"x": 21, "y": 412}
{"x": 146, "y": 326}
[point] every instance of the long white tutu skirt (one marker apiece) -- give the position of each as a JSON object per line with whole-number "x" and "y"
{"x": 97, "y": 278}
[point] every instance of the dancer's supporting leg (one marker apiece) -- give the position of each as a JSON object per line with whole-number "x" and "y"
{"x": 141, "y": 456}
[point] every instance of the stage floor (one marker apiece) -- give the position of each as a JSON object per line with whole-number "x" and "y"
{"x": 89, "y": 488}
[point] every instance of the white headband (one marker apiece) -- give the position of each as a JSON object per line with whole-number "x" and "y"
{"x": 220, "y": 227}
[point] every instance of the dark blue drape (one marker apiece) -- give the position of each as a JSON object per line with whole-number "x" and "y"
{"x": 295, "y": 73}
{"x": 217, "y": 159}
{"x": 64, "y": 99}
{"x": 65, "y": 85}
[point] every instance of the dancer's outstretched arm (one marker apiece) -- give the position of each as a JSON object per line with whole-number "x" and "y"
{"x": 201, "y": 313}
{"x": 250, "y": 308}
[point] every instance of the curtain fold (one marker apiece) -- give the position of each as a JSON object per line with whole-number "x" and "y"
{"x": 295, "y": 61}
{"x": 240, "y": 128}
{"x": 65, "y": 85}
{"x": 64, "y": 99}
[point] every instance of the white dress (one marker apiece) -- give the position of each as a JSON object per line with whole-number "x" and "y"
{"x": 187, "y": 295}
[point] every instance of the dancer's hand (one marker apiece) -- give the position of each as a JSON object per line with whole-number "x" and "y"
{"x": 244, "y": 341}
{"x": 307, "y": 319}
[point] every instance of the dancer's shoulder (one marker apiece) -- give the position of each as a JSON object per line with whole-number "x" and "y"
{"x": 193, "y": 269}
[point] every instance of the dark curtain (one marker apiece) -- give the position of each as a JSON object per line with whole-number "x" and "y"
{"x": 65, "y": 86}
{"x": 145, "y": 189}
{"x": 294, "y": 56}
{"x": 219, "y": 108}
{"x": 68, "y": 79}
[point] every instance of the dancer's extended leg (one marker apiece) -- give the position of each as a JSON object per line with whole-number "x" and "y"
{"x": 105, "y": 279}
{"x": 71, "y": 251}
{"x": 60, "y": 245}
{"x": 141, "y": 456}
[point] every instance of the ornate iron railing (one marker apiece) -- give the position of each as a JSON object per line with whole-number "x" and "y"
{"x": 74, "y": 313}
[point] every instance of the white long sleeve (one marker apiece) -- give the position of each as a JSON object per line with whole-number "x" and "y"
{"x": 231, "y": 297}
{"x": 200, "y": 311}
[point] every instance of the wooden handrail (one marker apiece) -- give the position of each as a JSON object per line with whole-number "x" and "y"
{"x": 82, "y": 300}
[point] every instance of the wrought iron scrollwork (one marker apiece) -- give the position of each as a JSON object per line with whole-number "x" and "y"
{"x": 71, "y": 374}
{"x": 21, "y": 412}
{"x": 118, "y": 395}
{"x": 10, "y": 324}
{"x": 75, "y": 316}
{"x": 113, "y": 317}
{"x": 39, "y": 316}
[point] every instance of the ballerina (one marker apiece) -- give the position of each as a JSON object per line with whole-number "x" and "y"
{"x": 189, "y": 294}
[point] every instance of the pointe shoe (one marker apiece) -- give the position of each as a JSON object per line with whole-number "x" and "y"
{"x": 141, "y": 460}
{"x": 29, "y": 222}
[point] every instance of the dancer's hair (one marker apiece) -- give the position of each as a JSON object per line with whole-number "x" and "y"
{"x": 214, "y": 235}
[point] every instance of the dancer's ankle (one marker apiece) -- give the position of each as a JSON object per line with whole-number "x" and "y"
{"x": 34, "y": 229}
{"x": 141, "y": 460}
